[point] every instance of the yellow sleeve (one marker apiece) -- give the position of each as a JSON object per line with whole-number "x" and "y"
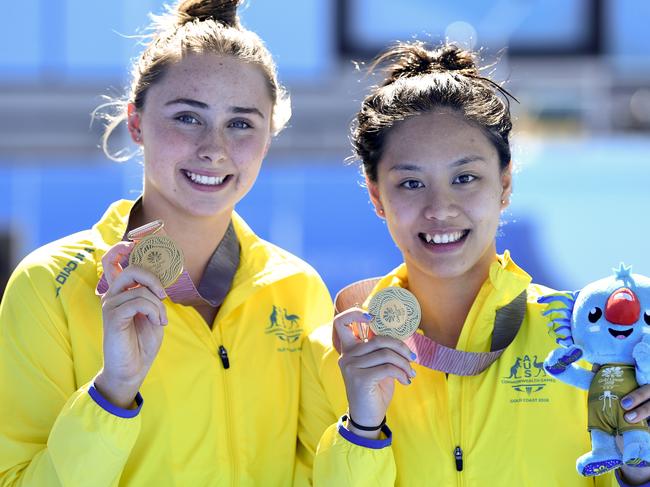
{"x": 320, "y": 309}
{"x": 315, "y": 413}
{"x": 52, "y": 432}
{"x": 324, "y": 456}
{"x": 341, "y": 462}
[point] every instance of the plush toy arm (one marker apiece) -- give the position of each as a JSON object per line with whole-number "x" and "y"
{"x": 560, "y": 364}
{"x": 641, "y": 354}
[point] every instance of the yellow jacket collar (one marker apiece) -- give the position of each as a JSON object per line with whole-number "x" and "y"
{"x": 505, "y": 282}
{"x": 505, "y": 276}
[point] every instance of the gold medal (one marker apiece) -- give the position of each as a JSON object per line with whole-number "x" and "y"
{"x": 395, "y": 312}
{"x": 160, "y": 256}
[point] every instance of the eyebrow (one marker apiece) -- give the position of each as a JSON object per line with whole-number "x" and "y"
{"x": 415, "y": 168}
{"x": 246, "y": 110}
{"x": 199, "y": 104}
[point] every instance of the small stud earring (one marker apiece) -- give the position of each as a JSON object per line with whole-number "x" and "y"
{"x": 381, "y": 211}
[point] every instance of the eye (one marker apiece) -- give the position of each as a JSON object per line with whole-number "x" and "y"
{"x": 412, "y": 184}
{"x": 594, "y": 314}
{"x": 188, "y": 119}
{"x": 646, "y": 318}
{"x": 464, "y": 179}
{"x": 240, "y": 124}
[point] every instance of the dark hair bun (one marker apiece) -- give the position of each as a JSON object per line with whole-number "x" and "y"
{"x": 222, "y": 11}
{"x": 452, "y": 58}
{"x": 409, "y": 59}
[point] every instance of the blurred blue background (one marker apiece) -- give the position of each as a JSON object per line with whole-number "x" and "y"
{"x": 580, "y": 68}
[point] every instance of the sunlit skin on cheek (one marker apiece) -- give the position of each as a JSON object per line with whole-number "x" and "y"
{"x": 206, "y": 127}
{"x": 441, "y": 189}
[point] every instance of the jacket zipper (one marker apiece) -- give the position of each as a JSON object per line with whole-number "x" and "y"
{"x": 225, "y": 362}
{"x": 223, "y": 354}
{"x": 458, "y": 452}
{"x": 458, "y": 456}
{"x": 455, "y": 385}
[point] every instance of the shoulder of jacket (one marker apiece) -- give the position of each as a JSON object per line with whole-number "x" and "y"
{"x": 55, "y": 262}
{"x": 277, "y": 257}
{"x": 536, "y": 291}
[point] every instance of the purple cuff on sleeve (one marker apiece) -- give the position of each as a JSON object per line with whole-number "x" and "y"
{"x": 623, "y": 484}
{"x": 365, "y": 442}
{"x": 111, "y": 408}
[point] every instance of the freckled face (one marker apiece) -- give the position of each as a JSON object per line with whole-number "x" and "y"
{"x": 206, "y": 126}
{"x": 441, "y": 189}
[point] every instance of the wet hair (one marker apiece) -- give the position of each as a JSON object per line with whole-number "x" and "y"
{"x": 419, "y": 80}
{"x": 195, "y": 27}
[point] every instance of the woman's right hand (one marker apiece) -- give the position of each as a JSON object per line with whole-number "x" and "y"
{"x": 133, "y": 316}
{"x": 369, "y": 370}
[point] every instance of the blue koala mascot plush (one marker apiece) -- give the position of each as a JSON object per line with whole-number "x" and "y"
{"x": 607, "y": 323}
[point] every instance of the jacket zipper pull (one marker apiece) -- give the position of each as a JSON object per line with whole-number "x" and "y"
{"x": 458, "y": 455}
{"x": 223, "y": 353}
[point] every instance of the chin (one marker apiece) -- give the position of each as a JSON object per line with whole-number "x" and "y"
{"x": 445, "y": 272}
{"x": 438, "y": 269}
{"x": 204, "y": 209}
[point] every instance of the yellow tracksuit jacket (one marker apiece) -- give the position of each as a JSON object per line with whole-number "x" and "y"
{"x": 201, "y": 424}
{"x": 515, "y": 425}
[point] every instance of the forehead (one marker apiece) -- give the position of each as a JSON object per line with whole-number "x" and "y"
{"x": 439, "y": 136}
{"x": 214, "y": 80}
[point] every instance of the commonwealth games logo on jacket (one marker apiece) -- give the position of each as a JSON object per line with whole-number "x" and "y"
{"x": 527, "y": 378}
{"x": 284, "y": 325}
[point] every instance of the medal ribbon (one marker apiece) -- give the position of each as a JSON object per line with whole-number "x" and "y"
{"x": 223, "y": 265}
{"x": 435, "y": 356}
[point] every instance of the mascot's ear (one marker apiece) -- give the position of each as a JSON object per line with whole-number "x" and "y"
{"x": 558, "y": 312}
{"x": 568, "y": 298}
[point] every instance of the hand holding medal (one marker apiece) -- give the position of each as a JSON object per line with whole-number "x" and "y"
{"x": 371, "y": 366}
{"x": 133, "y": 312}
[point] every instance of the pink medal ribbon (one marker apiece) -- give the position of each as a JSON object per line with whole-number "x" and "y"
{"x": 222, "y": 266}
{"x": 435, "y": 356}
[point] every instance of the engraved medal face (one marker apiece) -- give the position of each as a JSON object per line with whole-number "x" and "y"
{"x": 396, "y": 313}
{"x": 160, "y": 256}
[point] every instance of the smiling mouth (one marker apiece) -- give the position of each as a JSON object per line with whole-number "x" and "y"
{"x": 204, "y": 180}
{"x": 446, "y": 238}
{"x": 621, "y": 335}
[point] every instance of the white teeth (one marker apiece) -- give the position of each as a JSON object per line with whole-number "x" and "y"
{"x": 443, "y": 238}
{"x": 207, "y": 180}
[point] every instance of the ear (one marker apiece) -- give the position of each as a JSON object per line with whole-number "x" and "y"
{"x": 506, "y": 185}
{"x": 373, "y": 192}
{"x": 133, "y": 123}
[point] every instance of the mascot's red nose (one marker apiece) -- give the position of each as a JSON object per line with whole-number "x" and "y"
{"x": 623, "y": 307}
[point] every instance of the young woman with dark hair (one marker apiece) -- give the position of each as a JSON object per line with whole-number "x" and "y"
{"x": 475, "y": 406}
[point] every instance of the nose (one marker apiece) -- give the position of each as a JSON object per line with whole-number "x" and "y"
{"x": 212, "y": 146}
{"x": 623, "y": 307}
{"x": 440, "y": 206}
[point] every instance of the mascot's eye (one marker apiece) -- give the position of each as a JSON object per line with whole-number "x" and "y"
{"x": 646, "y": 318}
{"x": 595, "y": 314}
